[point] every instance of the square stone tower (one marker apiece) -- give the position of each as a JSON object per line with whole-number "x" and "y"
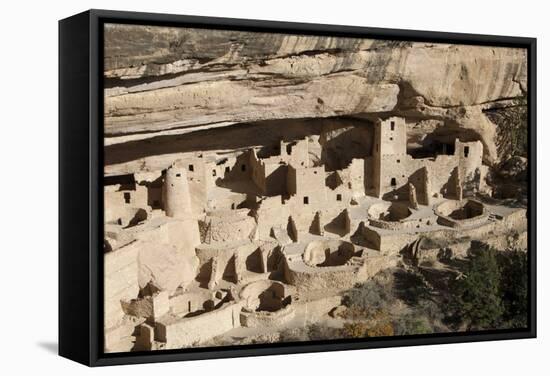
{"x": 389, "y": 155}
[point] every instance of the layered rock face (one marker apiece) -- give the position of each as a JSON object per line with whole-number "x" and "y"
{"x": 170, "y": 81}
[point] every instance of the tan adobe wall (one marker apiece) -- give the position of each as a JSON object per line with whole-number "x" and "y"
{"x": 227, "y": 226}
{"x": 178, "y": 333}
{"x": 389, "y": 242}
{"x": 308, "y": 184}
{"x": 266, "y": 303}
{"x": 267, "y": 319}
{"x": 227, "y": 202}
{"x": 392, "y": 243}
{"x": 271, "y": 213}
{"x": 270, "y": 174}
{"x": 393, "y": 168}
{"x": 182, "y": 231}
{"x": 188, "y": 302}
{"x": 295, "y": 152}
{"x": 124, "y": 204}
{"x": 398, "y": 171}
{"x": 324, "y": 277}
{"x": 355, "y": 177}
{"x": 166, "y": 265}
{"x": 120, "y": 281}
{"x": 223, "y": 261}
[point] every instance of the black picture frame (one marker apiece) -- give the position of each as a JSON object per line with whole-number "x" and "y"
{"x": 81, "y": 194}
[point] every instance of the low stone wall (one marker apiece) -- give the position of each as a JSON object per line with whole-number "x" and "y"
{"x": 338, "y": 277}
{"x": 267, "y": 319}
{"x": 339, "y": 252}
{"x": 184, "y": 332}
{"x": 444, "y": 209}
{"x": 406, "y": 224}
{"x": 388, "y": 243}
{"x": 454, "y": 223}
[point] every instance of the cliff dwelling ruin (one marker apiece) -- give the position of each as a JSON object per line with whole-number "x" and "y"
{"x": 264, "y": 204}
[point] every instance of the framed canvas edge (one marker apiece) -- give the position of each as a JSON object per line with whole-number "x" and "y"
{"x": 95, "y": 205}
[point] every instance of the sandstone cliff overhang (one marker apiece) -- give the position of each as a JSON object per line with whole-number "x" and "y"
{"x": 165, "y": 81}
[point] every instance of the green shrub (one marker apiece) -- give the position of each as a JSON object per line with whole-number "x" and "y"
{"x": 494, "y": 290}
{"x": 476, "y": 296}
{"x": 412, "y": 323}
{"x": 514, "y": 288}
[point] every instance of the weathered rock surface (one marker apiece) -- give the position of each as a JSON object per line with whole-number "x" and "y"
{"x": 162, "y": 81}
{"x": 165, "y": 266}
{"x": 121, "y": 282}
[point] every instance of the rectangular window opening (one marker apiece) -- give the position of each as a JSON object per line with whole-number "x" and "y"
{"x": 306, "y": 200}
{"x": 338, "y": 197}
{"x": 392, "y": 125}
{"x": 393, "y": 182}
{"x": 466, "y": 151}
{"x": 127, "y": 197}
{"x": 191, "y": 168}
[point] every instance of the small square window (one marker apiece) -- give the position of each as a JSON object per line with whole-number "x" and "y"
{"x": 306, "y": 200}
{"x": 127, "y": 197}
{"x": 393, "y": 182}
{"x": 178, "y": 175}
{"x": 399, "y": 161}
{"x": 391, "y": 138}
{"x": 227, "y": 169}
{"x": 191, "y": 168}
{"x": 338, "y": 197}
{"x": 243, "y": 167}
{"x": 213, "y": 172}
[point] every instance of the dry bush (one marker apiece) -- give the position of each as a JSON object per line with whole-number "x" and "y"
{"x": 355, "y": 329}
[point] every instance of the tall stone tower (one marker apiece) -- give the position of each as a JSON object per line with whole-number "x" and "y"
{"x": 176, "y": 197}
{"x": 389, "y": 155}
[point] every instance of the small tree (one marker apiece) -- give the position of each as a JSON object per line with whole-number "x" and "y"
{"x": 476, "y": 296}
{"x": 514, "y": 287}
{"x": 512, "y": 136}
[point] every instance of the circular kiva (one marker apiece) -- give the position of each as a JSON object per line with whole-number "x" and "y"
{"x": 454, "y": 213}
